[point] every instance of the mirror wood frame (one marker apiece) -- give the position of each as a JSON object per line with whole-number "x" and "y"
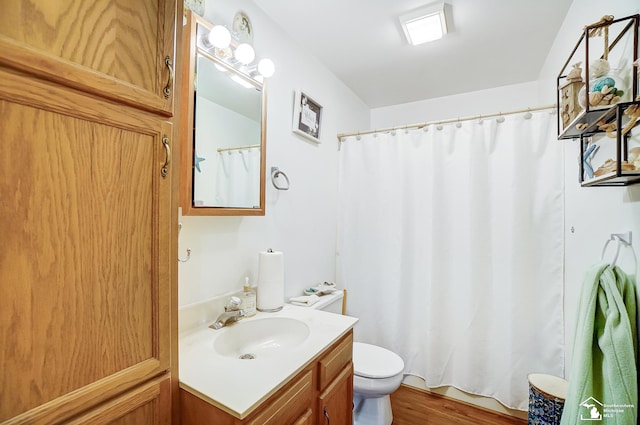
{"x": 187, "y": 94}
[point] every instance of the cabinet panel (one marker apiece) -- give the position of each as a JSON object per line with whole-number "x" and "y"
{"x": 335, "y": 404}
{"x": 148, "y": 404}
{"x": 331, "y": 364}
{"x": 116, "y": 48}
{"x": 288, "y": 406}
{"x": 84, "y": 266}
{"x": 306, "y": 418}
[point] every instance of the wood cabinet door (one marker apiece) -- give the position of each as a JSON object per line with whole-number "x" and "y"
{"x": 306, "y": 418}
{"x": 289, "y": 405}
{"x": 85, "y": 253}
{"x": 113, "y": 48}
{"x": 335, "y": 404}
{"x": 147, "y": 404}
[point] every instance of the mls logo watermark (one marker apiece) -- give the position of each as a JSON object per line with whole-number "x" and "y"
{"x": 594, "y": 410}
{"x": 591, "y": 410}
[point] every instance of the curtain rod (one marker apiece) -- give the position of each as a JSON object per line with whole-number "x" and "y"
{"x": 237, "y": 148}
{"x": 452, "y": 120}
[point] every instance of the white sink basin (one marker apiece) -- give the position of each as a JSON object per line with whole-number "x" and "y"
{"x": 260, "y": 338}
{"x": 282, "y": 343}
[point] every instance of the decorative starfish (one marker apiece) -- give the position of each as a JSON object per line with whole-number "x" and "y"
{"x": 197, "y": 160}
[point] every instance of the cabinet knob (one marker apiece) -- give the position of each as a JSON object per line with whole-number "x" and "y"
{"x": 326, "y": 414}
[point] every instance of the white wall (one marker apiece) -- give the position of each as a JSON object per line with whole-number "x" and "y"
{"x": 506, "y": 98}
{"x": 301, "y": 222}
{"x": 592, "y": 214}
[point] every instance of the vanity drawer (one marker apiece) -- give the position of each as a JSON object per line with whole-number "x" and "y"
{"x": 289, "y": 405}
{"x": 306, "y": 418}
{"x": 335, "y": 360}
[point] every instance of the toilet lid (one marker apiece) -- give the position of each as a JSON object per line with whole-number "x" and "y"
{"x": 371, "y": 361}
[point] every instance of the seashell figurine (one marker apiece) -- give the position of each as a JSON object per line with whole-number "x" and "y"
{"x": 599, "y": 67}
{"x": 599, "y": 83}
{"x": 595, "y": 98}
{"x": 576, "y": 73}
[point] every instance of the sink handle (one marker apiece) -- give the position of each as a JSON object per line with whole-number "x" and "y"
{"x": 234, "y": 303}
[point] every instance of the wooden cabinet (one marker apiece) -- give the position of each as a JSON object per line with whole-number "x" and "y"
{"x": 306, "y": 418}
{"x": 290, "y": 405}
{"x": 147, "y": 404}
{"x": 335, "y": 403}
{"x": 85, "y": 263}
{"x": 335, "y": 383}
{"x": 320, "y": 394}
{"x": 117, "y": 49}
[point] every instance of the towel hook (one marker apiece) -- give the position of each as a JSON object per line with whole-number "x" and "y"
{"x": 275, "y": 173}
{"x": 188, "y": 257}
{"x": 621, "y": 238}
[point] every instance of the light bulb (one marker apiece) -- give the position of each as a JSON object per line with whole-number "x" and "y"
{"x": 266, "y": 67}
{"x": 244, "y": 53}
{"x": 220, "y": 37}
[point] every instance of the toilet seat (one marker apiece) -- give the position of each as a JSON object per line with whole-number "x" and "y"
{"x": 371, "y": 361}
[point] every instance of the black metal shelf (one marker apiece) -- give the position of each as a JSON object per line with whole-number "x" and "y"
{"x": 618, "y": 122}
{"x": 601, "y": 118}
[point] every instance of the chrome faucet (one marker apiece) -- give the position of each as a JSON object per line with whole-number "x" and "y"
{"x": 232, "y": 313}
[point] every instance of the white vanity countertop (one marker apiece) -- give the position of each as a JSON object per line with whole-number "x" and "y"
{"x": 237, "y": 386}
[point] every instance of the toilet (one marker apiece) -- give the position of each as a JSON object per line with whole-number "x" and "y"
{"x": 378, "y": 372}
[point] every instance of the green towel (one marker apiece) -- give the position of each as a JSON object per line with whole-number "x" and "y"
{"x": 603, "y": 384}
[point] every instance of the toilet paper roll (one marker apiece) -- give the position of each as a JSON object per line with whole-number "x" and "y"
{"x": 270, "y": 281}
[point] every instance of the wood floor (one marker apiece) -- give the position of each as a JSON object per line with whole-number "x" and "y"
{"x": 412, "y": 406}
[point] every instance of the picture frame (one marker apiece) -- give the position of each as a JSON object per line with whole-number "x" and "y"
{"x": 307, "y": 116}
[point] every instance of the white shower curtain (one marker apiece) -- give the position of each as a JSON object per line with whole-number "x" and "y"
{"x": 238, "y": 178}
{"x": 450, "y": 243}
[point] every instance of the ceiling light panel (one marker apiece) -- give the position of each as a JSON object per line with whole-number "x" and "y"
{"x": 424, "y": 24}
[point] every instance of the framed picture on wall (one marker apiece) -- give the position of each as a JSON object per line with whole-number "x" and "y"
{"x": 307, "y": 116}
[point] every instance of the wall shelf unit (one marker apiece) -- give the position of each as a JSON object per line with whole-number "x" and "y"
{"x": 600, "y": 104}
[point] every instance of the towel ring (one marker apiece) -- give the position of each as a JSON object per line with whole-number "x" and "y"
{"x": 621, "y": 238}
{"x": 275, "y": 173}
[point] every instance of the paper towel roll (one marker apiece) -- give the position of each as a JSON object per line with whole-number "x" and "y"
{"x": 270, "y": 281}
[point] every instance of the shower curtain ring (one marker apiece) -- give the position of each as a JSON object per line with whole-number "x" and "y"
{"x": 528, "y": 114}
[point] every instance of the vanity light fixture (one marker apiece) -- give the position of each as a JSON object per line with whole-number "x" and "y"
{"x": 226, "y": 46}
{"x": 266, "y": 67}
{"x": 220, "y": 37}
{"x": 425, "y": 24}
{"x": 244, "y": 53}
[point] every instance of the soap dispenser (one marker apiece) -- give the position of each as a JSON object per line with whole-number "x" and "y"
{"x": 248, "y": 299}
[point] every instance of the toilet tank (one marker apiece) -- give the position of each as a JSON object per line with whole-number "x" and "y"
{"x": 331, "y": 302}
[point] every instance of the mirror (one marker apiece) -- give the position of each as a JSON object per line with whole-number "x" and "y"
{"x": 224, "y": 132}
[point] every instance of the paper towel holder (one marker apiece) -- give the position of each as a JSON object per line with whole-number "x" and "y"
{"x": 269, "y": 306}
